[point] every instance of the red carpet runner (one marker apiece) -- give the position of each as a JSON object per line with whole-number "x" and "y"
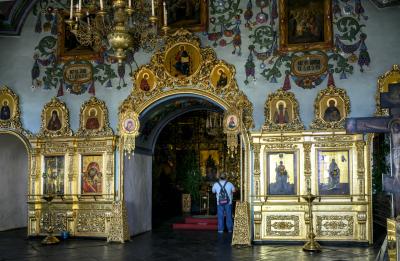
{"x": 197, "y": 223}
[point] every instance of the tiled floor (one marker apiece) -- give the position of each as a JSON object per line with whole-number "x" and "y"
{"x": 164, "y": 245}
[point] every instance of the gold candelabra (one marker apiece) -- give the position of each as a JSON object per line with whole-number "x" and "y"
{"x": 311, "y": 245}
{"x": 122, "y": 25}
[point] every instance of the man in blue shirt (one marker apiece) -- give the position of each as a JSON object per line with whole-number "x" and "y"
{"x": 224, "y": 192}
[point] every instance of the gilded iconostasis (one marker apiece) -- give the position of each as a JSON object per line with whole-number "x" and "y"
{"x": 273, "y": 83}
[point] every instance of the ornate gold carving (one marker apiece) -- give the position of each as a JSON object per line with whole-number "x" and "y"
{"x": 307, "y": 165}
{"x": 129, "y": 128}
{"x": 231, "y": 129}
{"x": 291, "y": 106}
{"x": 58, "y": 108}
{"x": 257, "y": 159}
{"x": 390, "y": 77}
{"x": 282, "y": 225}
{"x": 199, "y": 82}
{"x": 12, "y": 114}
{"x": 335, "y": 225}
{"x": 282, "y": 139}
{"x": 88, "y": 122}
{"x": 280, "y": 146}
{"x": 91, "y": 221}
{"x": 119, "y": 224}
{"x": 241, "y": 229}
{"x": 321, "y": 104}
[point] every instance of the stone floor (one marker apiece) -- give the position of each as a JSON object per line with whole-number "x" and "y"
{"x": 166, "y": 244}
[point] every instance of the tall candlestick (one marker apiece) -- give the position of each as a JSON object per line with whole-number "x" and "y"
{"x": 130, "y": 3}
{"x": 71, "y": 10}
{"x": 153, "y": 13}
{"x": 165, "y": 14}
{"x": 80, "y": 5}
{"x": 88, "y": 18}
{"x": 101, "y": 5}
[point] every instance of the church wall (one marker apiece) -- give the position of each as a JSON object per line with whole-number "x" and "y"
{"x": 138, "y": 194}
{"x": 381, "y": 29}
{"x": 13, "y": 182}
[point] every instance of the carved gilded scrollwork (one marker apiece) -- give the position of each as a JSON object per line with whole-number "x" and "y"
{"x": 335, "y": 225}
{"x": 197, "y": 82}
{"x": 91, "y": 221}
{"x": 360, "y": 168}
{"x": 241, "y": 229}
{"x": 331, "y": 107}
{"x": 119, "y": 224}
{"x": 307, "y": 164}
{"x": 10, "y": 112}
{"x": 281, "y": 112}
{"x": 362, "y": 221}
{"x": 390, "y": 77}
{"x": 282, "y": 225}
{"x": 94, "y": 119}
{"x": 55, "y": 120}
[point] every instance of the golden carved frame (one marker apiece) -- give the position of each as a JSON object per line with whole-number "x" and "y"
{"x": 105, "y": 129}
{"x": 295, "y": 123}
{"x": 285, "y": 46}
{"x": 390, "y": 77}
{"x": 15, "y": 118}
{"x": 333, "y": 92}
{"x": 65, "y": 129}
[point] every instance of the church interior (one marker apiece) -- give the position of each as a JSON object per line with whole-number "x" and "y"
{"x": 118, "y": 117}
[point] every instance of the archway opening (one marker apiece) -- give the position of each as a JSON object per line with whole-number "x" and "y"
{"x": 180, "y": 151}
{"x": 13, "y": 182}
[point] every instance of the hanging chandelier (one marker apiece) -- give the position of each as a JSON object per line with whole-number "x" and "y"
{"x": 119, "y": 24}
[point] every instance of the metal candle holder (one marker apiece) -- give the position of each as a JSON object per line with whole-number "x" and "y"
{"x": 49, "y": 239}
{"x": 311, "y": 245}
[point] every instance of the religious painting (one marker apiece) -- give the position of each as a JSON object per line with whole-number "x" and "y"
{"x": 368, "y": 125}
{"x": 332, "y": 109}
{"x": 305, "y": 24}
{"x": 386, "y": 80}
{"x": 182, "y": 60}
{"x": 145, "y": 80}
{"x": 281, "y": 111}
{"x": 209, "y": 164}
{"x": 7, "y": 105}
{"x": 92, "y": 174}
{"x": 129, "y": 125}
{"x": 68, "y": 47}
{"x": 333, "y": 172}
{"x": 231, "y": 122}
{"x": 220, "y": 76}
{"x": 94, "y": 119}
{"x": 391, "y": 98}
{"x": 53, "y": 175}
{"x": 188, "y": 14}
{"x": 282, "y": 173}
{"x": 55, "y": 119}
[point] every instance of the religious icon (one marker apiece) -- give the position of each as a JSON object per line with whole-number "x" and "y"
{"x": 209, "y": 162}
{"x": 182, "y": 61}
{"x": 5, "y": 113}
{"x": 144, "y": 83}
{"x": 281, "y": 115}
{"x": 92, "y": 177}
{"x": 129, "y": 125}
{"x": 53, "y": 177}
{"x": 332, "y": 113}
{"x": 305, "y": 24}
{"x": 282, "y": 173}
{"x": 232, "y": 122}
{"x": 333, "y": 172}
{"x": 54, "y": 123}
{"x": 92, "y": 122}
{"x": 223, "y": 79}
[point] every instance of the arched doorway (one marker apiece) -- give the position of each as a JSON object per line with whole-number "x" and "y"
{"x": 176, "y": 131}
{"x": 14, "y": 160}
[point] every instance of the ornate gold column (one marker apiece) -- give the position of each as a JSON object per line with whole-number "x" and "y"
{"x": 257, "y": 171}
{"x": 109, "y": 172}
{"x": 241, "y": 229}
{"x": 307, "y": 165}
{"x": 71, "y": 154}
{"x": 360, "y": 169}
{"x": 118, "y": 230}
